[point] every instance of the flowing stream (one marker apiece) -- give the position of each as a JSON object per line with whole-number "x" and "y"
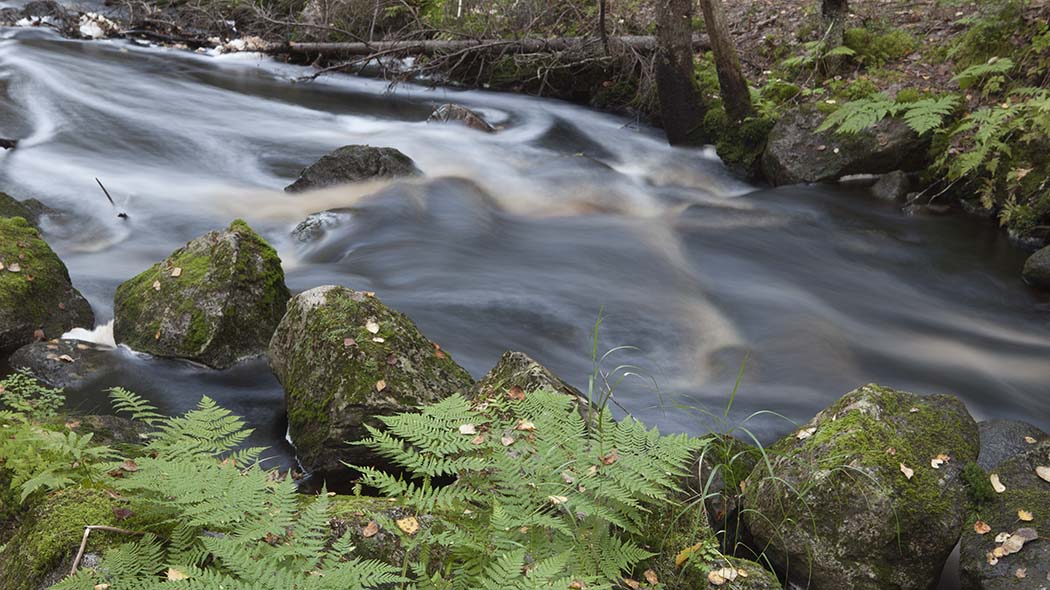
{"x": 515, "y": 240}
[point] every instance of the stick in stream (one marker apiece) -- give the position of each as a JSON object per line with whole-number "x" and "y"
{"x": 120, "y": 214}
{"x": 8, "y": 144}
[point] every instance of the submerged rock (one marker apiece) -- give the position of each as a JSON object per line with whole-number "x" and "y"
{"x": 37, "y": 299}
{"x": 354, "y": 163}
{"x": 216, "y": 300}
{"x": 1002, "y": 440}
{"x": 1025, "y": 492}
{"x": 316, "y": 225}
{"x": 892, "y": 186}
{"x": 796, "y": 153}
{"x": 1037, "y": 269}
{"x": 344, "y": 359}
{"x": 868, "y": 495}
{"x": 450, "y": 113}
{"x": 64, "y": 363}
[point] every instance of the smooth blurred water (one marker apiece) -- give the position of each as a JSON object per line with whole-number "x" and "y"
{"x": 515, "y": 240}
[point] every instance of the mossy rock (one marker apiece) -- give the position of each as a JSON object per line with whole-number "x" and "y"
{"x": 338, "y": 375}
{"x": 353, "y": 516}
{"x": 30, "y": 209}
{"x": 1026, "y": 491}
{"x": 1037, "y": 269}
{"x": 216, "y": 300}
{"x": 795, "y": 152}
{"x": 40, "y": 550}
{"x": 838, "y": 511}
{"x": 674, "y": 531}
{"x": 37, "y": 299}
{"x": 353, "y": 163}
{"x": 517, "y": 369}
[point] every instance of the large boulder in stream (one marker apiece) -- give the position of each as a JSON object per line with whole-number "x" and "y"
{"x": 354, "y": 163}
{"x": 868, "y": 495}
{"x": 37, "y": 298}
{"x": 517, "y": 369}
{"x": 989, "y": 559}
{"x": 1037, "y": 269}
{"x": 796, "y": 152}
{"x": 344, "y": 359}
{"x": 215, "y": 301}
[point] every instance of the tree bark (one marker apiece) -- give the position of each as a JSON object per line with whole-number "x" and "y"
{"x": 736, "y": 96}
{"x": 681, "y": 106}
{"x": 834, "y": 14}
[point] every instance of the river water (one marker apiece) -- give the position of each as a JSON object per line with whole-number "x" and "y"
{"x": 515, "y": 240}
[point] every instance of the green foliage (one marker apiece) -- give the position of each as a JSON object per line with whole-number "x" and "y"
{"x": 922, "y": 116}
{"x": 815, "y": 55}
{"x": 230, "y": 524}
{"x": 977, "y": 483}
{"x": 35, "y": 457}
{"x": 990, "y": 75}
{"x": 873, "y": 48}
{"x": 541, "y": 494}
{"x": 21, "y": 393}
{"x": 989, "y": 33}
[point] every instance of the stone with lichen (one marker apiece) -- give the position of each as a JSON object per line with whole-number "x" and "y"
{"x": 215, "y": 301}
{"x": 345, "y": 359}
{"x": 835, "y": 508}
{"x": 37, "y": 298}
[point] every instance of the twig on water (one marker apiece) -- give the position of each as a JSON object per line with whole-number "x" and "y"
{"x": 120, "y": 214}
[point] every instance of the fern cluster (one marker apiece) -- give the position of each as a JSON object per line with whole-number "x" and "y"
{"x": 219, "y": 519}
{"x": 922, "y": 116}
{"x": 542, "y": 496}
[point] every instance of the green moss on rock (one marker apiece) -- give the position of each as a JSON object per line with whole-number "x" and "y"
{"x": 35, "y": 289}
{"x": 339, "y": 375}
{"x": 838, "y": 509}
{"x": 223, "y": 305}
{"x": 40, "y": 550}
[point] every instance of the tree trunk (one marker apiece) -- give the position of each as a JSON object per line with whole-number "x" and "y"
{"x": 834, "y": 14}
{"x": 431, "y": 47}
{"x": 736, "y": 96}
{"x": 681, "y": 106}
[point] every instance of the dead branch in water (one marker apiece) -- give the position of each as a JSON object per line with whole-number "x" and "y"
{"x": 8, "y": 144}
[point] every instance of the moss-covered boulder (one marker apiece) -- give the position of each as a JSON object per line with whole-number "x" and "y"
{"x": 795, "y": 152}
{"x": 215, "y": 301}
{"x": 517, "y": 369}
{"x": 353, "y": 163}
{"x": 344, "y": 359}
{"x": 1002, "y": 440}
{"x": 40, "y": 550}
{"x": 64, "y": 363}
{"x": 1037, "y": 269}
{"x": 37, "y": 299}
{"x": 370, "y": 523}
{"x": 1025, "y": 503}
{"x": 868, "y": 495}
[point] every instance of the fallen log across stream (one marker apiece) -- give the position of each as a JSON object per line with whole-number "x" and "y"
{"x": 432, "y": 47}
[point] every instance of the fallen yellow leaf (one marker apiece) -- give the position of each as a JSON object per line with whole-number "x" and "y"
{"x": 408, "y": 524}
{"x": 372, "y": 326}
{"x": 633, "y": 584}
{"x": 684, "y": 555}
{"x": 1030, "y": 440}
{"x": 176, "y": 272}
{"x": 982, "y": 527}
{"x": 1024, "y": 515}
{"x": 1043, "y": 473}
{"x": 805, "y": 433}
{"x": 370, "y": 530}
{"x": 380, "y": 385}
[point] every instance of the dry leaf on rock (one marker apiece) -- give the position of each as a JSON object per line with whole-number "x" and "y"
{"x": 556, "y": 500}
{"x": 684, "y": 555}
{"x": 176, "y": 272}
{"x": 156, "y": 285}
{"x": 467, "y": 429}
{"x": 632, "y": 584}
{"x": 477, "y": 440}
{"x": 981, "y": 527}
{"x": 805, "y": 433}
{"x": 370, "y": 530}
{"x": 408, "y": 524}
{"x": 372, "y": 326}
{"x": 651, "y": 577}
{"x": 907, "y": 471}
{"x": 996, "y": 484}
{"x": 1002, "y": 537}
{"x": 722, "y": 575}
{"x": 380, "y": 385}
{"x": 506, "y": 440}
{"x": 1024, "y": 515}
{"x": 1030, "y": 440}
{"x": 1022, "y": 572}
{"x": 65, "y": 358}
{"x": 516, "y": 393}
{"x": 1043, "y": 473}
{"x": 175, "y": 575}
{"x": 611, "y": 458}
{"x": 379, "y": 340}
{"x": 15, "y": 267}
{"x": 525, "y": 426}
